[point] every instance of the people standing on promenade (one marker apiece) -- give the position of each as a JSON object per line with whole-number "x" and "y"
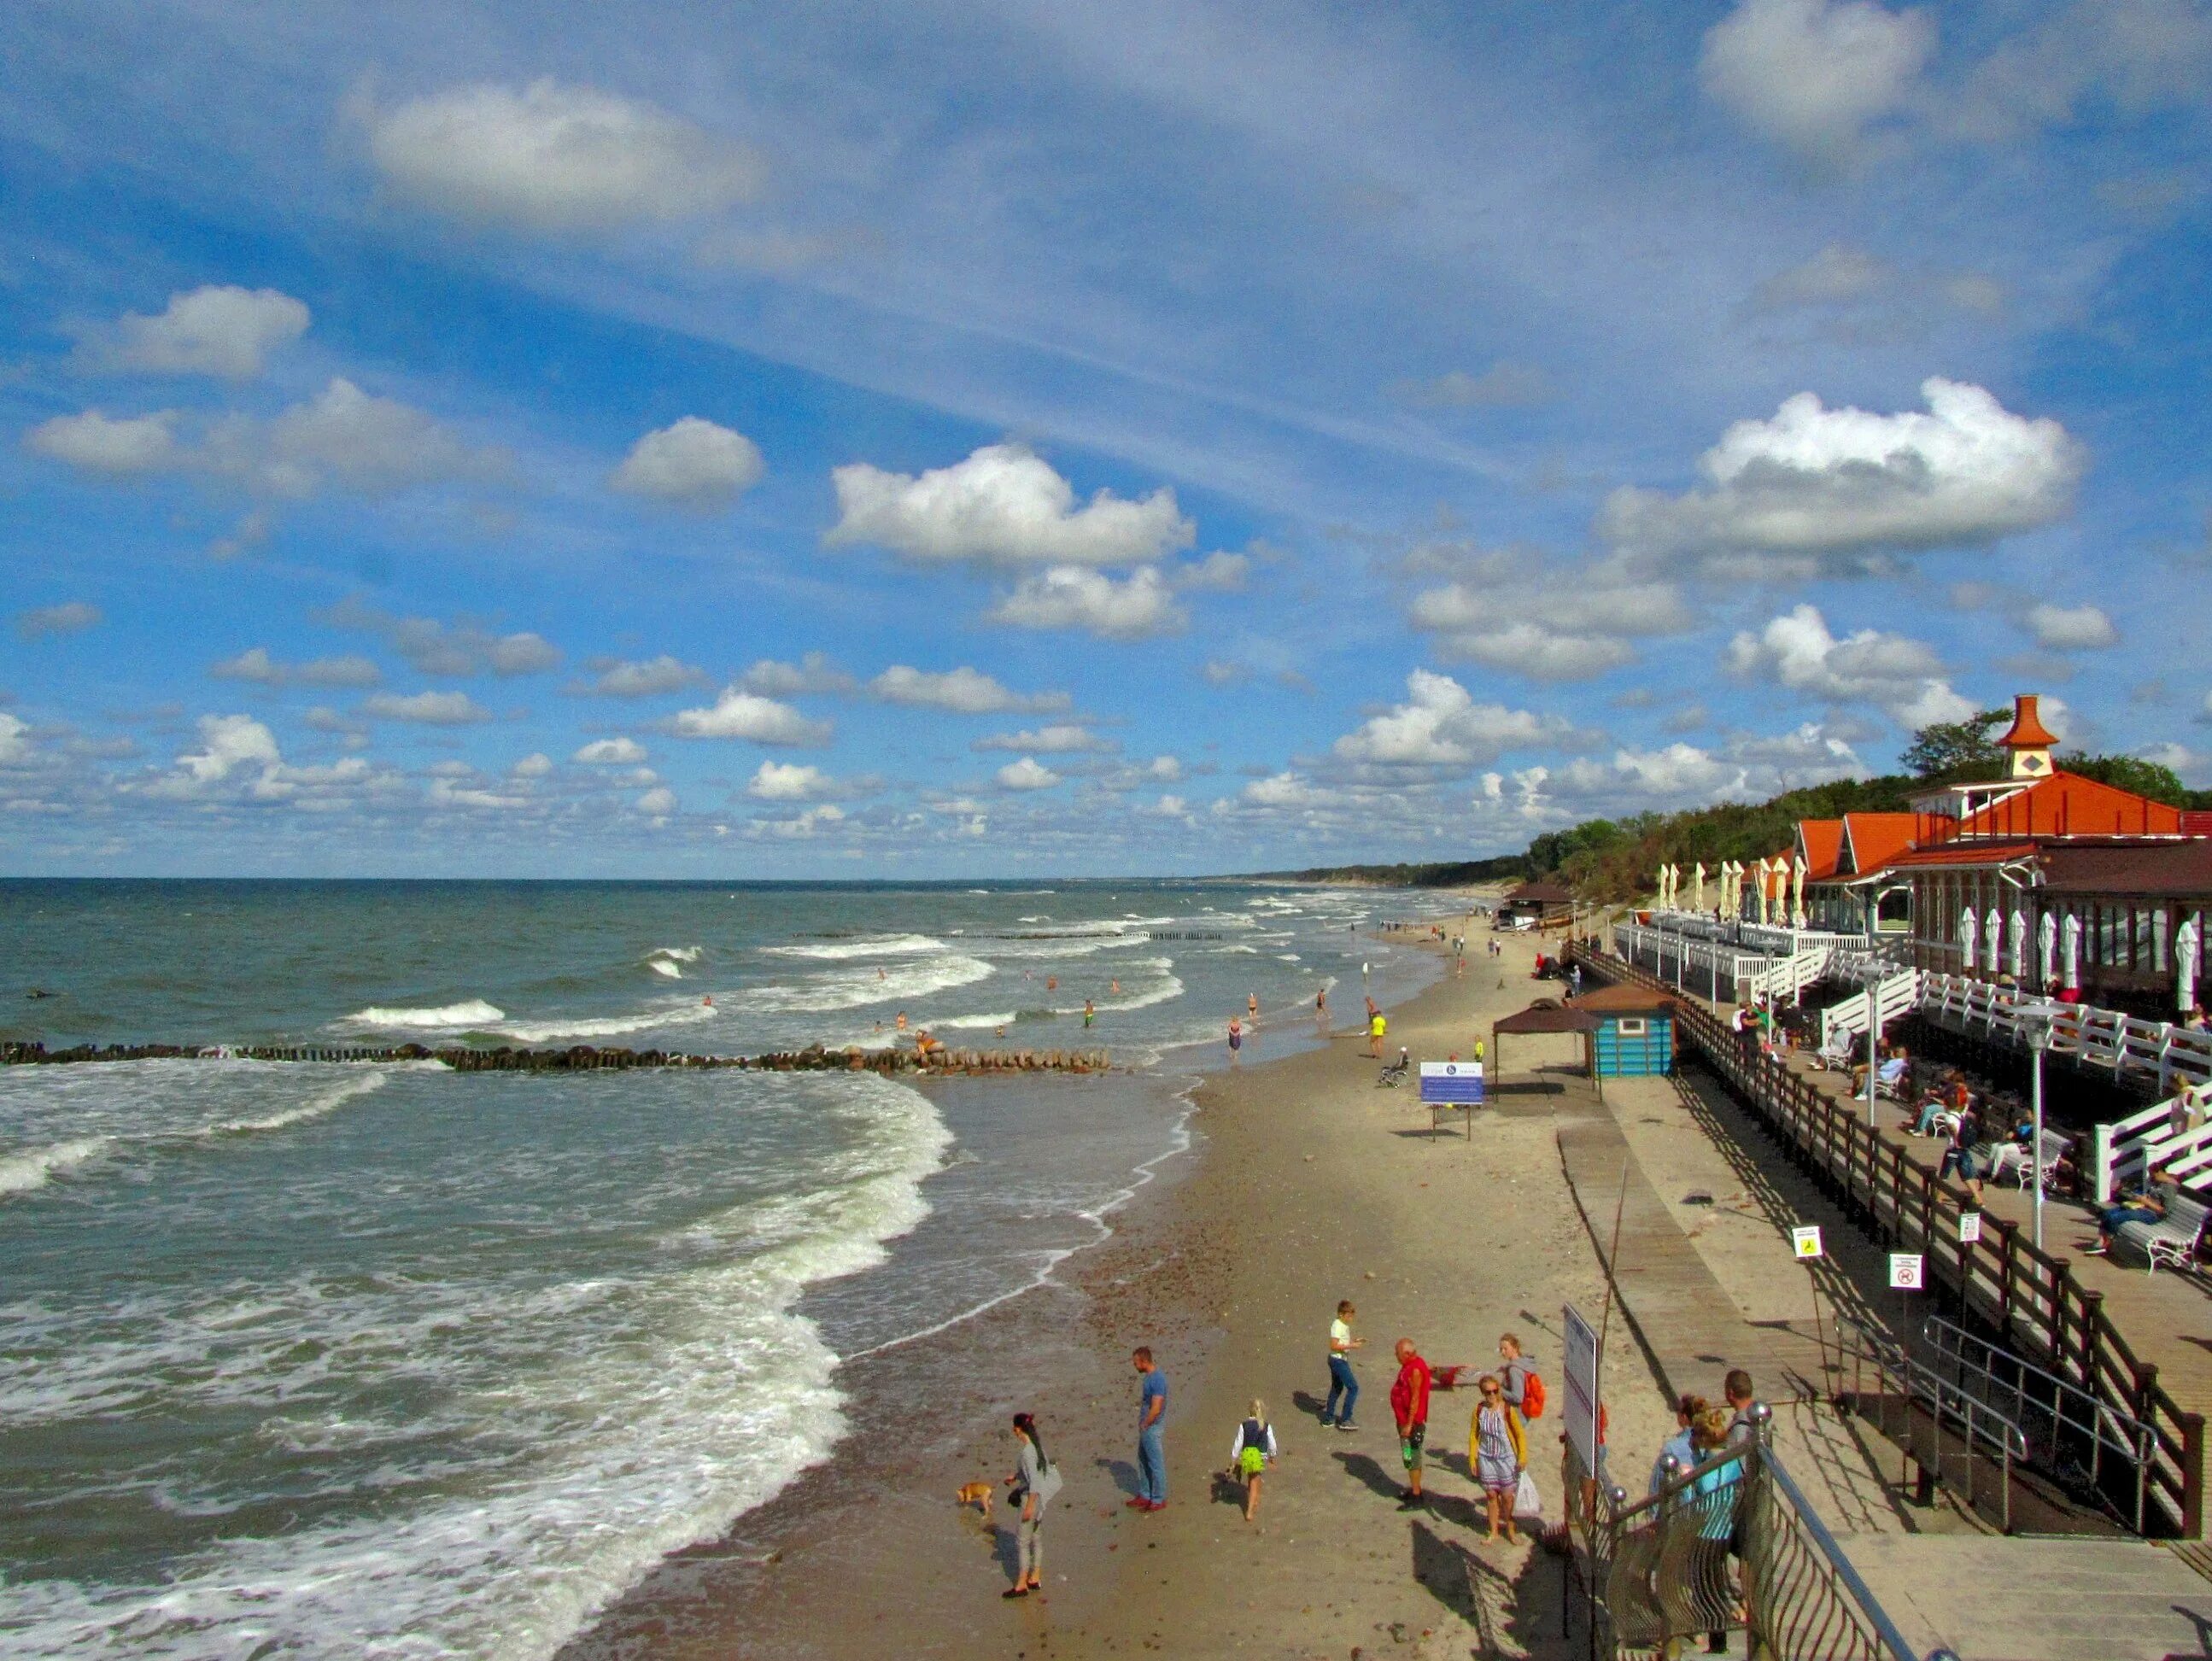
{"x": 1409, "y": 1405}
{"x": 1513, "y": 1372}
{"x": 1745, "y": 1409}
{"x": 1236, "y": 1039}
{"x": 1152, "y": 1452}
{"x": 1343, "y": 1382}
{"x": 1499, "y": 1451}
{"x": 1035, "y": 1480}
{"x": 1249, "y": 1454}
{"x": 1687, "y": 1411}
{"x": 1718, "y": 1495}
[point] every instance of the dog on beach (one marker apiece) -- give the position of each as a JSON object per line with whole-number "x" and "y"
{"x": 978, "y": 1494}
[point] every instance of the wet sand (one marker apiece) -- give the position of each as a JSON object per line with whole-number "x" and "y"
{"x": 1306, "y": 1183}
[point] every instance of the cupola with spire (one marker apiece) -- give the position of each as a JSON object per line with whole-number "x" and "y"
{"x": 2028, "y": 743}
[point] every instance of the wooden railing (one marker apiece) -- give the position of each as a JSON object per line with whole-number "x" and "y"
{"x": 2001, "y": 1278}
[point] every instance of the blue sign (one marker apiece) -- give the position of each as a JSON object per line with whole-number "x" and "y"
{"x": 1455, "y": 1082}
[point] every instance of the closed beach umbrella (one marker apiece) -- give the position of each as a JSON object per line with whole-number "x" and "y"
{"x": 2016, "y": 943}
{"x": 1760, "y": 875}
{"x": 2185, "y": 939}
{"x": 2072, "y": 934}
{"x": 1993, "y": 941}
{"x": 1966, "y": 932}
{"x": 1697, "y": 887}
{"x": 1798, "y": 882}
{"x": 2046, "y": 939}
{"x": 1659, "y": 888}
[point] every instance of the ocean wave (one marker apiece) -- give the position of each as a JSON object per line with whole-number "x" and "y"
{"x": 35, "y": 1167}
{"x": 329, "y": 1101}
{"x": 964, "y": 1023}
{"x": 686, "y": 1014}
{"x": 879, "y": 946}
{"x": 470, "y": 1011}
{"x": 899, "y": 982}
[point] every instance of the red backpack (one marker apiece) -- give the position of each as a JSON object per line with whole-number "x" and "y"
{"x": 1532, "y": 1396}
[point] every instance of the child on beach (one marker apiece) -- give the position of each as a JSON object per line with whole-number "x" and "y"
{"x": 1499, "y": 1453}
{"x": 1235, "y": 1038}
{"x": 1342, "y": 1381}
{"x": 1249, "y": 1454}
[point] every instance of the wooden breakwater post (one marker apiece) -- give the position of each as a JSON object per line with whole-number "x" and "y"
{"x": 586, "y": 1058}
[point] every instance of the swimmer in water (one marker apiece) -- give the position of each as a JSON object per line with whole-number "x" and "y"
{"x": 709, "y": 1000}
{"x": 1252, "y": 1007}
{"x": 1115, "y": 987}
{"x": 1236, "y": 1039}
{"x": 902, "y": 1020}
{"x": 1052, "y": 982}
{"x": 1090, "y": 1012}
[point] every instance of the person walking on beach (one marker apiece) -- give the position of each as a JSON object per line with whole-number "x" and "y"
{"x": 1376, "y": 1026}
{"x": 1249, "y": 1453}
{"x": 1499, "y": 1450}
{"x": 1343, "y": 1382}
{"x": 1252, "y": 1007}
{"x": 1035, "y": 1480}
{"x": 1321, "y": 1006}
{"x": 1151, "y": 1453}
{"x": 1409, "y": 1405}
{"x": 1236, "y": 1039}
{"x": 1090, "y": 1012}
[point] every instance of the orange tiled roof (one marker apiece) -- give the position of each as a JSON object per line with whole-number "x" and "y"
{"x": 2067, "y": 805}
{"x": 1822, "y": 841}
{"x": 1875, "y": 839}
{"x": 1978, "y": 851}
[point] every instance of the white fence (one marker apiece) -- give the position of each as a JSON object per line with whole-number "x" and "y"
{"x": 1697, "y": 964}
{"x": 2173, "y": 1136}
{"x": 2138, "y": 1051}
{"x": 1845, "y": 1023}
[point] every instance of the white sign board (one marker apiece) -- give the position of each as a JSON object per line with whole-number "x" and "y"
{"x": 1806, "y": 1241}
{"x": 1904, "y": 1271}
{"x": 1970, "y": 1227}
{"x": 1581, "y": 1365}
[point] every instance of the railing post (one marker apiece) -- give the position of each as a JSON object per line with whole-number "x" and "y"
{"x": 2192, "y": 1476}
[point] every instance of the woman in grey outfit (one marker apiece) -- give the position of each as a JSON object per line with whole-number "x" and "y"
{"x": 1034, "y": 1484}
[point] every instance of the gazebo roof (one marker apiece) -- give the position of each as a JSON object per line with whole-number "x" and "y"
{"x": 1625, "y": 1000}
{"x": 1551, "y": 893}
{"x": 1547, "y": 1018}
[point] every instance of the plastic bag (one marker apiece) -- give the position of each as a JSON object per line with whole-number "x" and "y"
{"x": 1527, "y": 1502}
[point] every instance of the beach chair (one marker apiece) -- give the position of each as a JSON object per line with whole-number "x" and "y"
{"x": 2171, "y": 1240}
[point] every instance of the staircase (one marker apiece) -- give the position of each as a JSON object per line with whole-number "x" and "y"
{"x": 1843, "y": 1025}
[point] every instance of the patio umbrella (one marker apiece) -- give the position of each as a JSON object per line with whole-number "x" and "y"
{"x": 1697, "y": 887}
{"x": 2016, "y": 943}
{"x": 1660, "y": 888}
{"x": 2185, "y": 940}
{"x": 2047, "y": 939}
{"x": 1759, "y": 866}
{"x": 1966, "y": 931}
{"x": 2072, "y": 932}
{"x": 1993, "y": 942}
{"x": 1797, "y": 881}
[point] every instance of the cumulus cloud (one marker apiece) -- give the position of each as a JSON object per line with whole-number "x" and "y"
{"x": 119, "y": 448}
{"x": 1505, "y": 385}
{"x": 812, "y": 823}
{"x": 15, "y": 740}
{"x": 778, "y": 780}
{"x": 228, "y": 743}
{"x": 1900, "y": 675}
{"x": 1219, "y": 573}
{"x": 427, "y": 708}
{"x": 1818, "y": 490}
{"x": 2072, "y": 628}
{"x": 813, "y": 673}
{"x": 1073, "y": 597}
{"x": 963, "y": 690}
{"x": 536, "y": 765}
{"x": 693, "y": 463}
{"x": 554, "y": 158}
{"x": 1061, "y": 739}
{"x": 432, "y": 648}
{"x": 612, "y": 678}
{"x": 1027, "y": 773}
{"x": 1837, "y": 276}
{"x": 1815, "y": 74}
{"x": 1505, "y": 608}
{"x": 255, "y": 665}
{"x": 44, "y": 621}
{"x": 610, "y": 752}
{"x": 658, "y": 803}
{"x": 738, "y": 714}
{"x": 1440, "y": 725}
{"x": 218, "y": 329}
{"x": 1005, "y": 506}
{"x": 2143, "y": 55}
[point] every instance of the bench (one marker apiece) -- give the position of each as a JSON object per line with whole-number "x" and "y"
{"x": 2173, "y": 1240}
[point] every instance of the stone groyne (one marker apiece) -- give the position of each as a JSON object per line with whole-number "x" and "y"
{"x": 585, "y": 1058}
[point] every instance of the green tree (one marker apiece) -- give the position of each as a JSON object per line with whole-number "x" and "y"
{"x": 1957, "y": 751}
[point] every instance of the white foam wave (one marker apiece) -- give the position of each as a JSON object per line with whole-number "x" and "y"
{"x": 686, "y": 1014}
{"x": 669, "y": 960}
{"x": 470, "y": 1011}
{"x": 897, "y": 982}
{"x": 35, "y": 1167}
{"x": 879, "y": 946}
{"x": 329, "y": 1101}
{"x": 962, "y": 1022}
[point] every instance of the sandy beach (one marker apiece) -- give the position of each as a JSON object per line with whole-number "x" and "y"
{"x": 1305, "y": 1184}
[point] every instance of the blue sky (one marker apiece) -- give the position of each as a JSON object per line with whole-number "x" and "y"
{"x": 862, "y": 440}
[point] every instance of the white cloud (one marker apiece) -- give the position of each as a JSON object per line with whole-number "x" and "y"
{"x": 427, "y": 708}
{"x": 15, "y": 740}
{"x": 1837, "y": 276}
{"x": 1679, "y": 771}
{"x": 1220, "y": 673}
{"x": 610, "y": 752}
{"x": 1541, "y": 652}
{"x": 1504, "y": 386}
{"x": 1219, "y": 573}
{"x": 432, "y": 648}
{"x": 1814, "y": 74}
{"x": 536, "y": 765}
{"x": 813, "y": 673}
{"x": 2142, "y": 55}
{"x": 777, "y": 781}
{"x": 657, "y": 803}
{"x": 1510, "y": 609}
{"x": 693, "y": 463}
{"x": 963, "y": 690}
{"x": 1061, "y": 739}
{"x": 554, "y": 158}
{"x": 741, "y": 714}
{"x": 1003, "y": 506}
{"x": 1816, "y": 489}
{"x": 2072, "y": 628}
{"x": 129, "y": 447}
{"x": 1287, "y": 789}
{"x": 1902, "y": 676}
{"x": 218, "y": 329}
{"x": 1441, "y": 726}
{"x": 806, "y": 824}
{"x": 346, "y": 438}
{"x": 651, "y": 678}
{"x": 229, "y": 743}
{"x": 1071, "y": 597}
{"x": 1027, "y": 773}
{"x": 72, "y": 618}
{"x": 256, "y": 665}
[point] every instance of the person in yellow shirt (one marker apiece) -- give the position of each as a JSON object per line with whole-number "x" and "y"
{"x": 1376, "y": 1026}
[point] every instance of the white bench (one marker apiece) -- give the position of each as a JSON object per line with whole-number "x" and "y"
{"x": 2173, "y": 1240}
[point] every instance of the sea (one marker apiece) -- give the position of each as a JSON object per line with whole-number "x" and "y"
{"x": 384, "y": 1359}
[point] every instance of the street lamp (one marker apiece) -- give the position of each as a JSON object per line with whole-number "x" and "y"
{"x": 2035, "y": 1019}
{"x": 1873, "y": 1036}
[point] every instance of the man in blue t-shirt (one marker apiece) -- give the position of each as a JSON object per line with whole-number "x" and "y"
{"x": 1151, "y": 1456}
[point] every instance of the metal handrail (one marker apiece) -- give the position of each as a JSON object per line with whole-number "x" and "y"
{"x": 1979, "y": 1422}
{"x": 1839, "y": 1564}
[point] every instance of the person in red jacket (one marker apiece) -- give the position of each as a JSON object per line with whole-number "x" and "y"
{"x": 1409, "y": 1402}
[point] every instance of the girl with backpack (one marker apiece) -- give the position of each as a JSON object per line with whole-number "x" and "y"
{"x": 1249, "y": 1453}
{"x": 1034, "y": 1483}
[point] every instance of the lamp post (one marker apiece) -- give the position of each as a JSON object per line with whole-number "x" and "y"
{"x": 1874, "y": 1037}
{"x": 2035, "y": 1020}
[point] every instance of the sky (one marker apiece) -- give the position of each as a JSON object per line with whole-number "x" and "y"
{"x": 1110, "y": 438}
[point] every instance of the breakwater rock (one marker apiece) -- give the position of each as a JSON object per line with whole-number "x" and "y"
{"x": 585, "y": 1058}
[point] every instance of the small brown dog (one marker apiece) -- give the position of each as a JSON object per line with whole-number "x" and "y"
{"x": 978, "y": 1494}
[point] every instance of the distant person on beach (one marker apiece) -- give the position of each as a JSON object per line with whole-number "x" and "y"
{"x": 1409, "y": 1405}
{"x": 1249, "y": 1454}
{"x": 1252, "y": 1007}
{"x": 1152, "y": 1452}
{"x": 902, "y": 1020}
{"x": 1090, "y": 1012}
{"x": 1499, "y": 1451}
{"x": 1034, "y": 1483}
{"x": 1376, "y": 1026}
{"x": 1236, "y": 1039}
{"x": 1321, "y": 1005}
{"x": 1343, "y": 1382}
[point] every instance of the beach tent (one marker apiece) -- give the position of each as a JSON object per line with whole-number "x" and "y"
{"x": 1635, "y": 1031}
{"x": 1541, "y": 1018}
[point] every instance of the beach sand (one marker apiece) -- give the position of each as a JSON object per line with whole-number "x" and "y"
{"x": 1306, "y": 1183}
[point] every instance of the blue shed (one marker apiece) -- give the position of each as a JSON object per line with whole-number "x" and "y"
{"x": 1635, "y": 1036}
